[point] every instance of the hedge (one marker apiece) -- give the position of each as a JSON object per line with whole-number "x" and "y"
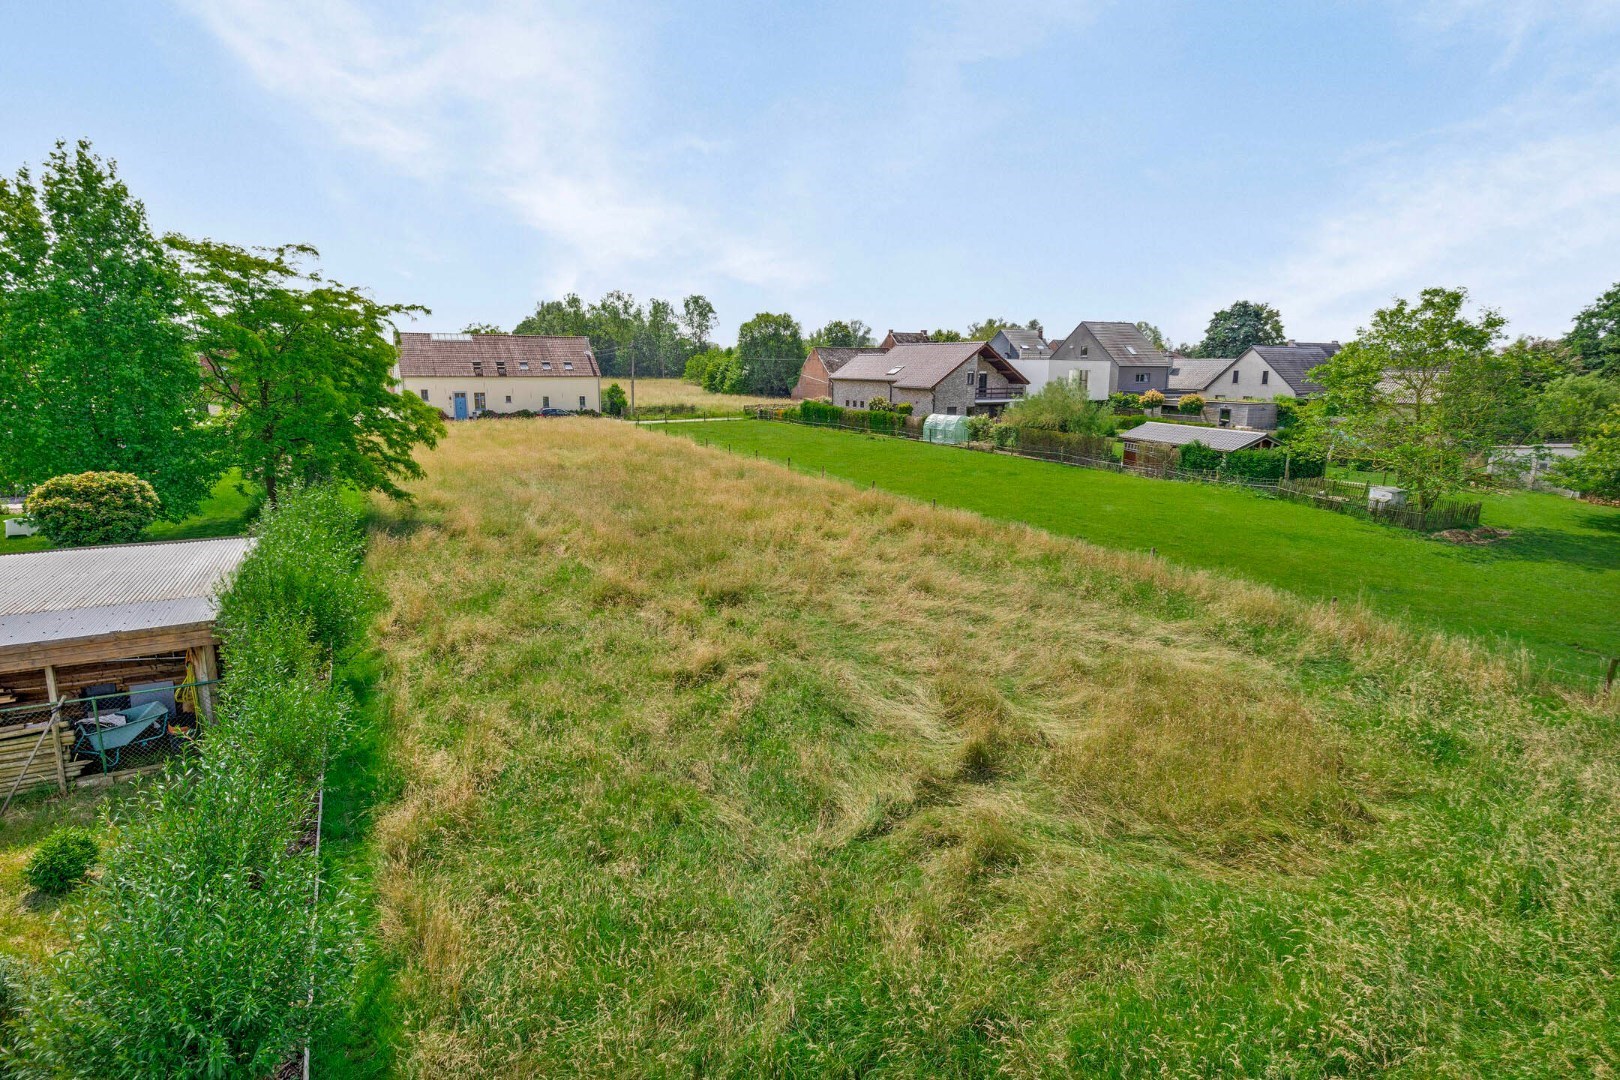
{"x": 199, "y": 947}
{"x": 1250, "y": 464}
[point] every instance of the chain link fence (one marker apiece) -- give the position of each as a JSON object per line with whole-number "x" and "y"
{"x": 58, "y": 743}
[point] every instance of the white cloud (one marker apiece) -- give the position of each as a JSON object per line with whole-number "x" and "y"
{"x": 1520, "y": 205}
{"x": 511, "y": 101}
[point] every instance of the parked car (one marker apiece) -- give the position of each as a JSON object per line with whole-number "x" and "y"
{"x": 552, "y": 412}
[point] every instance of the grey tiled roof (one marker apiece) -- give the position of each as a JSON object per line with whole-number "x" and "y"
{"x": 921, "y": 367}
{"x": 1022, "y": 340}
{"x": 1191, "y": 376}
{"x": 1291, "y": 362}
{"x": 833, "y": 358}
{"x": 422, "y": 354}
{"x": 1122, "y": 341}
{"x": 909, "y": 337}
{"x": 1222, "y": 439}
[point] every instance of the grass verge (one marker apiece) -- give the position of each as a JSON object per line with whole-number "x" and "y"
{"x": 708, "y": 766}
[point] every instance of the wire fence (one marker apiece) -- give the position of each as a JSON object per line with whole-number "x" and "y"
{"x": 63, "y": 741}
{"x": 1349, "y": 497}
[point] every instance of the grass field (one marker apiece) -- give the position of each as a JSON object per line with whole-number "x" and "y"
{"x": 226, "y": 512}
{"x": 1553, "y": 585}
{"x": 710, "y": 767}
{"x": 679, "y": 392}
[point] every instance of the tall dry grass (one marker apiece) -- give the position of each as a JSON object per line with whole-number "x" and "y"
{"x": 716, "y": 767}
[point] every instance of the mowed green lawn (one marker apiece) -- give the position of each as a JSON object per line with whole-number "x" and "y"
{"x": 1553, "y": 587}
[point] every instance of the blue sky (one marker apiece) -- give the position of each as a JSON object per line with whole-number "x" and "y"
{"x": 908, "y": 164}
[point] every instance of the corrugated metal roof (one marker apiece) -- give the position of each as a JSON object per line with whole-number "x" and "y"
{"x": 1222, "y": 439}
{"x": 82, "y": 592}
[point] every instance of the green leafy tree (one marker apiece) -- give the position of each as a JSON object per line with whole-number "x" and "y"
{"x": 1569, "y": 408}
{"x": 614, "y": 401}
{"x": 626, "y": 335}
{"x": 947, "y": 335}
{"x": 1595, "y": 337}
{"x": 482, "y": 328}
{"x": 1597, "y": 470}
{"x": 1246, "y": 323}
{"x": 1415, "y": 395}
{"x": 839, "y": 334}
{"x": 771, "y": 350}
{"x": 1061, "y": 406}
{"x": 302, "y": 367}
{"x": 697, "y": 320}
{"x": 95, "y": 370}
{"x": 1154, "y": 335}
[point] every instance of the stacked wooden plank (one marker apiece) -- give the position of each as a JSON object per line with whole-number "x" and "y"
{"x": 18, "y": 741}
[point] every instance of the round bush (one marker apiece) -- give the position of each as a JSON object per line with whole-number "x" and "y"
{"x": 92, "y": 508}
{"x": 61, "y": 861}
{"x": 1152, "y": 399}
{"x": 1191, "y": 404}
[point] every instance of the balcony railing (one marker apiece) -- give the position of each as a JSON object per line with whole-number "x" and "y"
{"x": 1000, "y": 393}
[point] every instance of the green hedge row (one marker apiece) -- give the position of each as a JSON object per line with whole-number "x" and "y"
{"x": 197, "y": 951}
{"x": 1250, "y": 464}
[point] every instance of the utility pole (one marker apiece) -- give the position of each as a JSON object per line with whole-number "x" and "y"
{"x": 632, "y": 384}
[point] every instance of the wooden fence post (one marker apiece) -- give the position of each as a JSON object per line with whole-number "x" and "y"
{"x": 56, "y": 728}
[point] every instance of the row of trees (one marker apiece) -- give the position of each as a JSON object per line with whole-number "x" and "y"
{"x": 176, "y": 359}
{"x": 653, "y": 338}
{"x": 1426, "y": 392}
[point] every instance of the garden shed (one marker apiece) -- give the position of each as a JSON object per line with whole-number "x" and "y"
{"x": 107, "y": 654}
{"x": 1163, "y": 434}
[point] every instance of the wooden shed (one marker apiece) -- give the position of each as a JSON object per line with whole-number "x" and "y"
{"x": 91, "y": 635}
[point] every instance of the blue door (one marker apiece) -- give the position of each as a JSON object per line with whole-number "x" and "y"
{"x": 461, "y": 406}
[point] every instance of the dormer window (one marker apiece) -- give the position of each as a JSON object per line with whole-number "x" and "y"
{"x": 478, "y": 367}
{"x": 568, "y": 365}
{"x": 523, "y": 365}
{"x": 545, "y": 365}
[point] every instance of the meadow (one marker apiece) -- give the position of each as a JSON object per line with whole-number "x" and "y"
{"x": 656, "y": 392}
{"x": 705, "y": 765}
{"x": 1552, "y": 588}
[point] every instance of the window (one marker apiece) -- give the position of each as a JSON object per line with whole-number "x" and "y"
{"x": 424, "y": 395}
{"x": 545, "y": 365}
{"x": 568, "y": 365}
{"x": 895, "y": 370}
{"x": 1265, "y": 377}
{"x": 478, "y": 367}
{"x": 478, "y": 402}
{"x": 500, "y": 367}
{"x": 1141, "y": 376}
{"x": 582, "y": 403}
{"x": 523, "y": 365}
{"x": 509, "y": 399}
{"x": 545, "y": 403}
{"x": 1234, "y": 376}
{"x": 950, "y": 410}
{"x": 1085, "y": 350}
{"x": 1131, "y": 349}
{"x": 972, "y": 378}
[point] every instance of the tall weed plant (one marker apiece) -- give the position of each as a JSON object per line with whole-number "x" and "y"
{"x": 201, "y": 951}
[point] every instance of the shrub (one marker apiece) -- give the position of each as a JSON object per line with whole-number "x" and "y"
{"x": 614, "y": 402}
{"x": 1062, "y": 444}
{"x": 1061, "y": 406}
{"x": 1196, "y": 457}
{"x": 1122, "y": 402}
{"x": 62, "y": 860}
{"x": 880, "y": 405}
{"x": 1191, "y": 404}
{"x": 93, "y": 508}
{"x": 201, "y": 951}
{"x": 1151, "y": 399}
{"x": 979, "y": 428}
{"x": 904, "y": 408}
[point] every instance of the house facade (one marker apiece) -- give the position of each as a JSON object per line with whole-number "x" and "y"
{"x": 1265, "y": 372}
{"x": 956, "y": 378}
{"x": 463, "y": 375}
{"x": 1027, "y": 351}
{"x": 815, "y": 377}
{"x": 1109, "y": 358}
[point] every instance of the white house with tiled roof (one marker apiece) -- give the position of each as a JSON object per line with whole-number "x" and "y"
{"x": 463, "y": 375}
